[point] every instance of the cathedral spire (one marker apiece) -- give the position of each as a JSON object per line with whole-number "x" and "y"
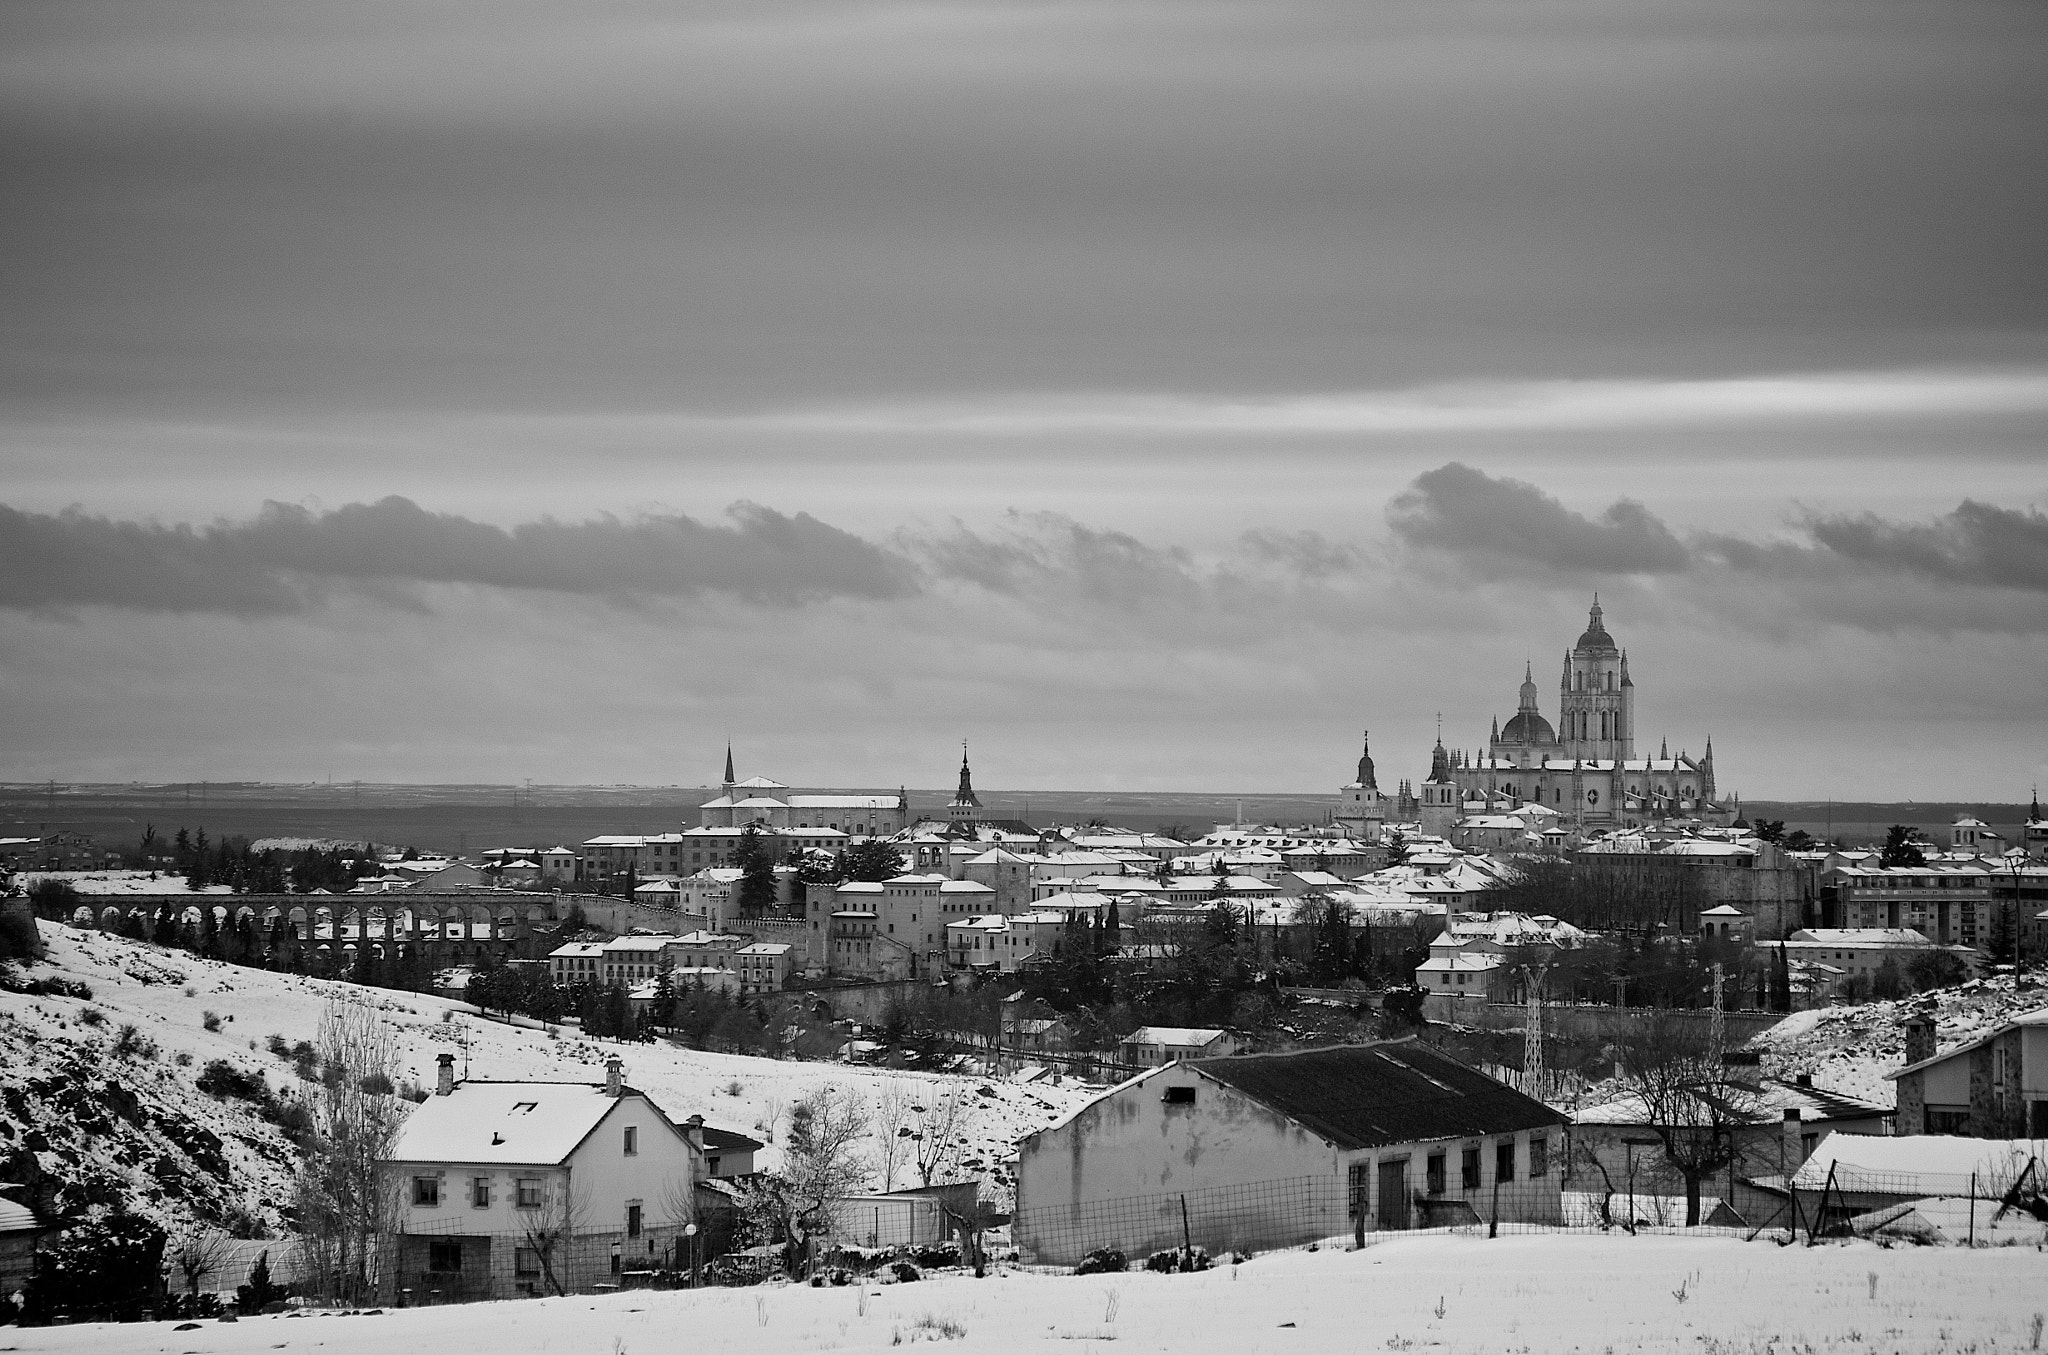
{"x": 1664, "y": 750}
{"x": 729, "y": 777}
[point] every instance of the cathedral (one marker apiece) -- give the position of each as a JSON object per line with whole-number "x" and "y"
{"x": 1585, "y": 768}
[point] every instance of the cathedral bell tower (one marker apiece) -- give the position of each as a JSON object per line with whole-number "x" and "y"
{"x": 1597, "y": 700}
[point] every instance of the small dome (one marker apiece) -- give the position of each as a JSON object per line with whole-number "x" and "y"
{"x": 1528, "y": 730}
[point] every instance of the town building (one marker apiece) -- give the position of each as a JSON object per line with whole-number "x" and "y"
{"x": 1278, "y": 1149}
{"x": 769, "y": 804}
{"x": 505, "y": 1189}
{"x": 1150, "y": 1046}
{"x": 1992, "y": 1086}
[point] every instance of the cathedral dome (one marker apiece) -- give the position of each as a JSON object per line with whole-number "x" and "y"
{"x": 1528, "y": 730}
{"x": 1596, "y": 638}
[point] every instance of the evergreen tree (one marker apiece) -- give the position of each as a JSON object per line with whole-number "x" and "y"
{"x": 1899, "y": 848}
{"x": 1110, "y": 940}
{"x": 1781, "y": 984}
{"x": 166, "y": 933}
{"x": 757, "y": 873}
{"x": 618, "y": 1012}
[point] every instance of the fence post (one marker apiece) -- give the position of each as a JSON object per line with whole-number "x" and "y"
{"x": 1493, "y": 1224}
{"x": 1820, "y": 1211}
{"x": 1973, "y": 1209}
{"x": 1187, "y": 1241}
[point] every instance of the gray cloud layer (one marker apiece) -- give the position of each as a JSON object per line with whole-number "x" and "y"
{"x": 282, "y": 560}
{"x": 1469, "y": 512}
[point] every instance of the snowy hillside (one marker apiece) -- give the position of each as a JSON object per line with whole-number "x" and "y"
{"x": 1850, "y": 1049}
{"x": 61, "y": 1082}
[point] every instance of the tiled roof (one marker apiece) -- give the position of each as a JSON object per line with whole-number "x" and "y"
{"x": 1362, "y": 1096}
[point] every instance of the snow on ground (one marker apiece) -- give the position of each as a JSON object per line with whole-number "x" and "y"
{"x": 1528, "y": 1295}
{"x": 1850, "y": 1049}
{"x": 98, "y": 882}
{"x": 166, "y": 993}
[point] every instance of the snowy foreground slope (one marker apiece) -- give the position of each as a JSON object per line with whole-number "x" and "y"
{"x": 147, "y": 986}
{"x": 1530, "y": 1294}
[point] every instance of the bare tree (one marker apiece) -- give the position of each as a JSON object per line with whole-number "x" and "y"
{"x": 892, "y": 1128}
{"x": 1689, "y": 1100}
{"x": 939, "y": 1141}
{"x": 345, "y": 1198}
{"x": 822, "y": 1162}
{"x": 199, "y": 1254}
{"x": 547, "y": 1220}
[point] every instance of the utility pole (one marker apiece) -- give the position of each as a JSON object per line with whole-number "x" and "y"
{"x": 1717, "y": 1023}
{"x": 1532, "y": 1038}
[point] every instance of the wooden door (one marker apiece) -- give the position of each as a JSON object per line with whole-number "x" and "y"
{"x": 1393, "y": 1192}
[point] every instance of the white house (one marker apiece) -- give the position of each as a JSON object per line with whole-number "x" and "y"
{"x": 510, "y": 1188}
{"x": 1268, "y": 1150}
{"x": 1148, "y": 1046}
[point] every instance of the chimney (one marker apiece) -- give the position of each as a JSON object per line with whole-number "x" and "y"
{"x": 444, "y": 1083}
{"x": 693, "y": 1130}
{"x": 614, "y": 1076}
{"x": 1919, "y": 1039}
{"x": 1794, "y": 1149}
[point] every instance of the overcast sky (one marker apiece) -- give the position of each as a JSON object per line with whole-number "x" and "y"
{"x": 1157, "y": 395}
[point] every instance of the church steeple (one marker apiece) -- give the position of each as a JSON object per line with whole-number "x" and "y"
{"x": 964, "y": 797}
{"x": 1365, "y": 769}
{"x": 730, "y": 779}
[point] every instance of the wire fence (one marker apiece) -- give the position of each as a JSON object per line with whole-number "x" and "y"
{"x": 1992, "y": 1208}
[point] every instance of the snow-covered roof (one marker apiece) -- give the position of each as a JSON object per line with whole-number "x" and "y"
{"x": 506, "y": 1123}
{"x": 1914, "y": 1164}
{"x": 16, "y": 1218}
{"x": 1174, "y": 1036}
{"x": 1861, "y": 936}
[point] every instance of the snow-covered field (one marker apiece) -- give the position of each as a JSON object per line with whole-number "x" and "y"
{"x": 167, "y": 994}
{"x": 1520, "y": 1295}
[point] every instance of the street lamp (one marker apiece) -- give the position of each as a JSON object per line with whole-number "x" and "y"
{"x": 690, "y": 1232}
{"x": 2016, "y": 858}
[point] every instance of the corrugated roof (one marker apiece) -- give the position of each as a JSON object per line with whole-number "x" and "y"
{"x": 1362, "y": 1096}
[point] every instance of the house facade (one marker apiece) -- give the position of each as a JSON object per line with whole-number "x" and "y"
{"x": 507, "y": 1189}
{"x": 1279, "y": 1149}
{"x": 1994, "y": 1086}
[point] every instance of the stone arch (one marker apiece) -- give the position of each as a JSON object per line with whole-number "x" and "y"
{"x": 300, "y": 923}
{"x": 112, "y": 918}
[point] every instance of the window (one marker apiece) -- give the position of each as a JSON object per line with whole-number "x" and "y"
{"x": 1434, "y": 1175}
{"x": 1504, "y": 1160}
{"x": 1468, "y": 1169}
{"x": 632, "y": 1220}
{"x": 529, "y": 1192}
{"x": 480, "y": 1192}
{"x": 426, "y": 1191}
{"x": 1539, "y": 1157}
{"x": 1355, "y": 1193}
{"x": 444, "y": 1256}
{"x": 525, "y": 1261}
{"x": 632, "y": 1140}
{"x": 1180, "y": 1096}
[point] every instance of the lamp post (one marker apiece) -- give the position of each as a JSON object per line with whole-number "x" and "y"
{"x": 690, "y": 1232}
{"x": 2017, "y": 858}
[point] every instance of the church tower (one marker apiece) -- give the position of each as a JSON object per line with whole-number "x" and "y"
{"x": 1597, "y": 700}
{"x": 1361, "y": 809}
{"x": 1443, "y": 803}
{"x": 965, "y": 808}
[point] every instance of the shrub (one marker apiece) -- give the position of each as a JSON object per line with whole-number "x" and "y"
{"x": 1177, "y": 1259}
{"x": 104, "y": 1269}
{"x": 19, "y": 939}
{"x": 91, "y": 1016}
{"x": 221, "y": 1078}
{"x": 259, "y": 1293}
{"x": 133, "y": 1044}
{"x": 211, "y": 1020}
{"x": 186, "y": 1307}
{"x": 936, "y": 1256}
{"x": 904, "y": 1272}
{"x": 276, "y": 1045}
{"x": 1103, "y": 1261}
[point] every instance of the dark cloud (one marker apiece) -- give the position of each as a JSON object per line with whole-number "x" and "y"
{"x": 1977, "y": 544}
{"x": 285, "y": 558}
{"x": 1508, "y": 525}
